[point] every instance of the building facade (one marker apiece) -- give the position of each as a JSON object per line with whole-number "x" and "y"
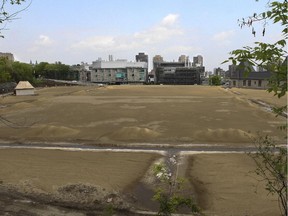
{"x": 157, "y": 60}
{"x": 141, "y": 57}
{"x": 184, "y": 59}
{"x": 198, "y": 61}
{"x": 118, "y": 72}
{"x": 24, "y": 88}
{"x": 178, "y": 73}
{"x": 83, "y": 70}
{"x": 10, "y": 56}
{"x": 241, "y": 78}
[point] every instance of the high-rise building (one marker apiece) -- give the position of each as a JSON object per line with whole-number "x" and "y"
{"x": 184, "y": 59}
{"x": 110, "y": 57}
{"x": 219, "y": 72}
{"x": 118, "y": 71}
{"x": 141, "y": 57}
{"x": 178, "y": 73}
{"x": 157, "y": 59}
{"x": 198, "y": 61}
{"x": 232, "y": 70}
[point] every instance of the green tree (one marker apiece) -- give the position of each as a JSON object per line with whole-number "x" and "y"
{"x": 215, "y": 80}
{"x": 22, "y": 71}
{"x": 169, "y": 191}
{"x": 40, "y": 69}
{"x": 271, "y": 163}
{"x": 270, "y": 56}
{"x": 271, "y": 160}
{"x": 5, "y": 69}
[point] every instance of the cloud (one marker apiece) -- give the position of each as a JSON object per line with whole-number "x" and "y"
{"x": 224, "y": 37}
{"x": 43, "y": 41}
{"x": 170, "y": 19}
{"x": 164, "y": 30}
{"x": 157, "y": 34}
{"x": 97, "y": 42}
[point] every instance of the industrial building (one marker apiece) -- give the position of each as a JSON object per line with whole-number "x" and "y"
{"x": 177, "y": 73}
{"x": 141, "y": 57}
{"x": 198, "y": 61}
{"x": 118, "y": 71}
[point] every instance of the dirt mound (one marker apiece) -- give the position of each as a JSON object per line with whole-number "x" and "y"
{"x": 89, "y": 196}
{"x": 72, "y": 196}
{"x": 51, "y": 131}
{"x": 22, "y": 105}
{"x": 133, "y": 133}
{"x": 222, "y": 135}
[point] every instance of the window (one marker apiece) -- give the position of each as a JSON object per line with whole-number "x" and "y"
{"x": 249, "y": 82}
{"x": 259, "y": 83}
{"x": 244, "y": 82}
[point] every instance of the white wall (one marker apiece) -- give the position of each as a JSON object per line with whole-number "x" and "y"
{"x": 25, "y": 92}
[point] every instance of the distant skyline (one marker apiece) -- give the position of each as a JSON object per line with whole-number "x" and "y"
{"x": 82, "y": 31}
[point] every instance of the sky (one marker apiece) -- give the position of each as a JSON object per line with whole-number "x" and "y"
{"x": 73, "y": 31}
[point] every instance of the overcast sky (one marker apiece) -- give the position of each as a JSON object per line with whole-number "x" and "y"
{"x": 72, "y": 31}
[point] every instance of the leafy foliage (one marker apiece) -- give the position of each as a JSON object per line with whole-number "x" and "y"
{"x": 17, "y": 71}
{"x": 57, "y": 71}
{"x": 269, "y": 56}
{"x": 271, "y": 163}
{"x": 5, "y": 16}
{"x": 5, "y": 70}
{"x": 168, "y": 193}
{"x": 271, "y": 160}
{"x": 215, "y": 80}
{"x": 22, "y": 71}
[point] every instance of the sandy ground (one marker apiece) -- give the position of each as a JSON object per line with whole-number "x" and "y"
{"x": 227, "y": 185}
{"x": 137, "y": 114}
{"x": 126, "y": 115}
{"x": 49, "y": 169}
{"x": 73, "y": 179}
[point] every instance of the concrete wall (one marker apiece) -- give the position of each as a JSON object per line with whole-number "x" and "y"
{"x": 25, "y": 92}
{"x": 255, "y": 84}
{"x": 117, "y": 64}
{"x": 111, "y": 75}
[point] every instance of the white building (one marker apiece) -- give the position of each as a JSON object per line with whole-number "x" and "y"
{"x": 118, "y": 71}
{"x": 24, "y": 88}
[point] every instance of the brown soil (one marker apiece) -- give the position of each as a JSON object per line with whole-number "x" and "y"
{"x": 137, "y": 114}
{"x": 227, "y": 185}
{"x": 125, "y": 115}
{"x": 79, "y": 180}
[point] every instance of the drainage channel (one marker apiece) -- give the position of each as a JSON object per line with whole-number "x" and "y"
{"x": 167, "y": 149}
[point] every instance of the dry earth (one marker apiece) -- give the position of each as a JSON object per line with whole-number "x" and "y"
{"x": 125, "y": 115}
{"x": 226, "y": 184}
{"x": 137, "y": 114}
{"x": 80, "y": 180}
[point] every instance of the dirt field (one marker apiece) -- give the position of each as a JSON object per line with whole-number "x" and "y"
{"x": 125, "y": 115}
{"x": 69, "y": 178}
{"x": 226, "y": 185}
{"x": 138, "y": 114}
